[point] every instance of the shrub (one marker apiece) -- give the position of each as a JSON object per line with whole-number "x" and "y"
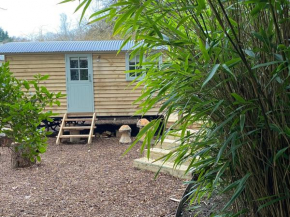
{"x": 22, "y": 105}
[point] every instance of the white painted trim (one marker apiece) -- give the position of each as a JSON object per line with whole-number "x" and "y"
{"x": 127, "y": 60}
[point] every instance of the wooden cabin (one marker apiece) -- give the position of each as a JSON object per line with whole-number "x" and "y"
{"x": 90, "y": 73}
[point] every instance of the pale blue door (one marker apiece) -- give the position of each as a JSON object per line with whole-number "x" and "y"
{"x": 79, "y": 78}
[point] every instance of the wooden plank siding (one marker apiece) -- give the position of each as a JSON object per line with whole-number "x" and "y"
{"x": 112, "y": 95}
{"x": 25, "y": 66}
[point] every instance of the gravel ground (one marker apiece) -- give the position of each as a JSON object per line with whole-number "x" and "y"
{"x": 81, "y": 180}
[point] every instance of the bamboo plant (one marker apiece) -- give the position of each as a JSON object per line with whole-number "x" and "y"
{"x": 227, "y": 66}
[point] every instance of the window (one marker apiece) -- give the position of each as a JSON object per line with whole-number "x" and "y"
{"x": 133, "y": 64}
{"x": 78, "y": 67}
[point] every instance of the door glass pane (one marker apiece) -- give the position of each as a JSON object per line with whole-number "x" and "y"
{"x": 74, "y": 62}
{"x": 83, "y": 62}
{"x": 131, "y": 67}
{"x": 84, "y": 74}
{"x": 74, "y": 74}
{"x": 132, "y": 75}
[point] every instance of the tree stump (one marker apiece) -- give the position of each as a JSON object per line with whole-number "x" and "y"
{"x": 18, "y": 159}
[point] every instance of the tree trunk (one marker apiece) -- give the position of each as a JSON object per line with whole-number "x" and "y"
{"x": 17, "y": 158}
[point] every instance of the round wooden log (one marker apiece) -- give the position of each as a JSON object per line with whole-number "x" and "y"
{"x": 17, "y": 158}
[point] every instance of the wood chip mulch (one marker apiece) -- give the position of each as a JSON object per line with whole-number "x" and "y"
{"x": 81, "y": 180}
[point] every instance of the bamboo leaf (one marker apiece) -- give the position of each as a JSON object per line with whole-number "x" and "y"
{"x": 272, "y": 202}
{"x": 242, "y": 122}
{"x": 266, "y": 64}
{"x": 80, "y": 5}
{"x": 216, "y": 107}
{"x": 233, "y": 62}
{"x": 85, "y": 8}
{"x": 99, "y": 12}
{"x": 203, "y": 50}
{"x": 238, "y": 98}
{"x": 224, "y": 146}
{"x": 250, "y": 53}
{"x": 238, "y": 191}
{"x": 211, "y": 74}
{"x": 139, "y": 136}
{"x": 121, "y": 20}
{"x": 279, "y": 153}
{"x": 229, "y": 71}
{"x": 65, "y": 1}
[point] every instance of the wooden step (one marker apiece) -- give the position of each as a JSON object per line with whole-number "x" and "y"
{"x": 157, "y": 153}
{"x": 76, "y": 136}
{"x": 168, "y": 144}
{"x": 78, "y": 128}
{"x": 175, "y": 135}
{"x": 66, "y": 118}
{"x": 168, "y": 168}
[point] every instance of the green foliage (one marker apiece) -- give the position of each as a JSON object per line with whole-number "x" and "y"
{"x": 227, "y": 67}
{"x": 22, "y": 105}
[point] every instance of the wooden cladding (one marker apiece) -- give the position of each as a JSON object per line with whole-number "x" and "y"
{"x": 113, "y": 95}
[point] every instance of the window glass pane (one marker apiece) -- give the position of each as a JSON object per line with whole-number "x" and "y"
{"x": 83, "y": 62}
{"x": 74, "y": 74}
{"x": 137, "y": 58}
{"x": 84, "y": 74}
{"x": 74, "y": 62}
{"x": 132, "y": 63}
{"x": 131, "y": 67}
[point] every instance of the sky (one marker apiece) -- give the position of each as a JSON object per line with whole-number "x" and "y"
{"x": 23, "y": 18}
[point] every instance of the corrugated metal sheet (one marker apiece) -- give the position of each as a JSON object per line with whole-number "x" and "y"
{"x": 64, "y": 46}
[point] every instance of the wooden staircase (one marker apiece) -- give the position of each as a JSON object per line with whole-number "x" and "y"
{"x": 68, "y": 118}
{"x": 155, "y": 164}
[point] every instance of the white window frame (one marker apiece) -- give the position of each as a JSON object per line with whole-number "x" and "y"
{"x": 90, "y": 66}
{"x": 128, "y": 77}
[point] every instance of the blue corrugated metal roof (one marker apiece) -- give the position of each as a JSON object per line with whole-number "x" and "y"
{"x": 64, "y": 46}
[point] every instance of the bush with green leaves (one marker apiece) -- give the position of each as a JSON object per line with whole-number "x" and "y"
{"x": 227, "y": 66}
{"x": 22, "y": 105}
